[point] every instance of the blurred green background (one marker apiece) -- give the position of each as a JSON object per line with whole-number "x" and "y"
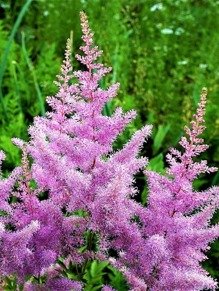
{"x": 162, "y": 53}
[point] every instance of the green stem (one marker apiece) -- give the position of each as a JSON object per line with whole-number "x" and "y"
{"x": 31, "y": 68}
{"x": 17, "y": 90}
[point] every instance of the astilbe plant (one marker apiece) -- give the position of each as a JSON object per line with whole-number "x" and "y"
{"x": 74, "y": 203}
{"x": 179, "y": 215}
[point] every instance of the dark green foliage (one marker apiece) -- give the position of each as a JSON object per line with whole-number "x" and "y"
{"x": 95, "y": 275}
{"x": 24, "y": 83}
{"x": 10, "y": 284}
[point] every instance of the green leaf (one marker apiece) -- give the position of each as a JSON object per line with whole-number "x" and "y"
{"x": 3, "y": 213}
{"x": 97, "y": 267}
{"x": 117, "y": 280}
{"x": 144, "y": 196}
{"x": 156, "y": 164}
{"x": 159, "y": 137}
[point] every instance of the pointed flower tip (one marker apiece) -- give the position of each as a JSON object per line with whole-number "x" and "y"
{"x": 147, "y": 130}
{"x": 204, "y": 92}
{"x": 18, "y": 142}
{"x": 202, "y": 103}
{"x": 197, "y": 124}
{"x": 84, "y": 22}
{"x": 83, "y": 16}
{"x": 69, "y": 46}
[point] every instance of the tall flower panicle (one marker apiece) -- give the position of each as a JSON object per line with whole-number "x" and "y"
{"x": 75, "y": 139}
{"x": 74, "y": 163}
{"x": 193, "y": 145}
{"x": 180, "y": 215}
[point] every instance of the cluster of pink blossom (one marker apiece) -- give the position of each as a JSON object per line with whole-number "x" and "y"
{"x": 72, "y": 183}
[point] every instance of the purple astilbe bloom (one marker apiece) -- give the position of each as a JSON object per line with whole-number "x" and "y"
{"x": 72, "y": 149}
{"x": 38, "y": 232}
{"x": 56, "y": 284}
{"x": 6, "y": 185}
{"x": 14, "y": 248}
{"x": 180, "y": 216}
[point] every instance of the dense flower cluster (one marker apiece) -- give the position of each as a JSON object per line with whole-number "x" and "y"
{"x": 78, "y": 190}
